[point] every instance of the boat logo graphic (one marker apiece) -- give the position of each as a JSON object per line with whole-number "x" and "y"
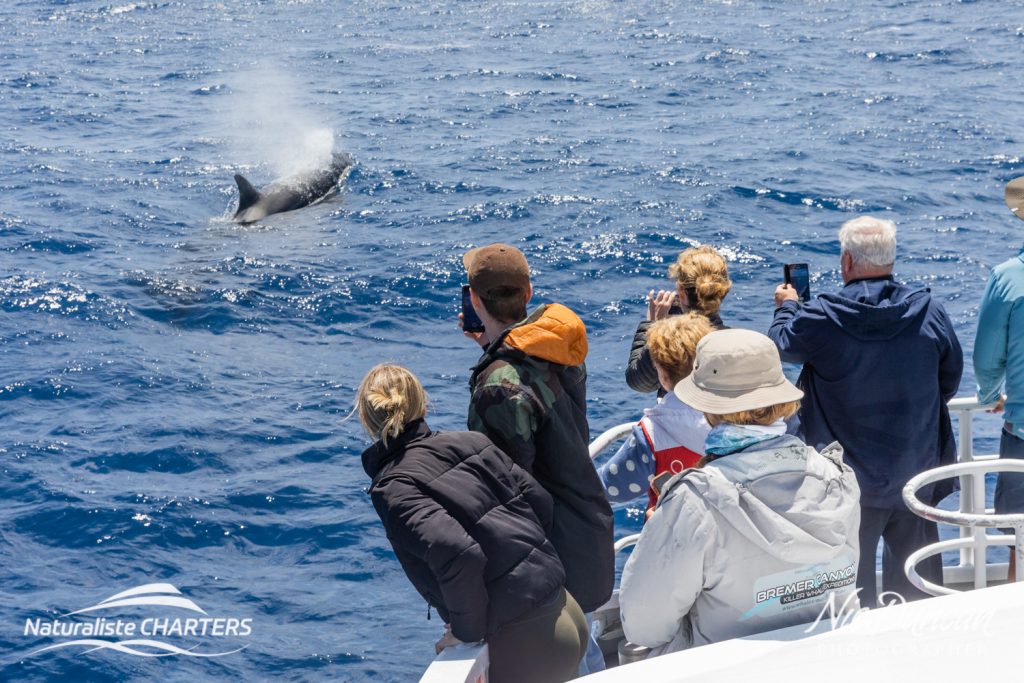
{"x": 141, "y": 636}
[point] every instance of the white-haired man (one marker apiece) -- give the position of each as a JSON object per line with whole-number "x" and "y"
{"x": 881, "y": 359}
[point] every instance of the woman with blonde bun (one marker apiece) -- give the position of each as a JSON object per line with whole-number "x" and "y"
{"x": 470, "y": 528}
{"x": 702, "y": 282}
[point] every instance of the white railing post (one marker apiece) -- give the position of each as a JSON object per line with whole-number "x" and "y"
{"x": 973, "y": 550}
{"x": 980, "y": 550}
{"x": 965, "y": 453}
{"x": 1018, "y": 549}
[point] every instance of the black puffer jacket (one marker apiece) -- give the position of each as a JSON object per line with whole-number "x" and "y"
{"x": 469, "y": 526}
{"x": 641, "y": 375}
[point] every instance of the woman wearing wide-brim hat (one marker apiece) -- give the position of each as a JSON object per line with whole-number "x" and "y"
{"x": 758, "y": 536}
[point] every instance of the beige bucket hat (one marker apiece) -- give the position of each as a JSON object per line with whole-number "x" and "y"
{"x": 1014, "y": 196}
{"x": 736, "y": 370}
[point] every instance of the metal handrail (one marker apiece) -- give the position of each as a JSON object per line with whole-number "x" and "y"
{"x": 968, "y": 403}
{"x": 626, "y": 542}
{"x": 970, "y": 519}
{"x": 610, "y": 436}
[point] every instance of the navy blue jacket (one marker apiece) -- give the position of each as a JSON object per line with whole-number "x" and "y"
{"x": 881, "y": 360}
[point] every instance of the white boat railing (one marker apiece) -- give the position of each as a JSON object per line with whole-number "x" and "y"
{"x": 608, "y": 437}
{"x": 460, "y": 664}
{"x": 973, "y": 542}
{"x": 972, "y": 488}
{"x": 973, "y": 522}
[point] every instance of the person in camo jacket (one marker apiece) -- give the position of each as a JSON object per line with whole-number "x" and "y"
{"x": 529, "y": 397}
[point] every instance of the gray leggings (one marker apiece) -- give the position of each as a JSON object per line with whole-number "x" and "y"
{"x": 542, "y": 646}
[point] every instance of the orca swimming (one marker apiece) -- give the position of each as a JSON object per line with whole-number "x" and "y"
{"x": 288, "y": 194}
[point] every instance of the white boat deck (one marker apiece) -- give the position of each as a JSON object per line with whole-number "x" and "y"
{"x": 950, "y": 638}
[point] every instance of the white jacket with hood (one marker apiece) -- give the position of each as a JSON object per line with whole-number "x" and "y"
{"x": 754, "y": 541}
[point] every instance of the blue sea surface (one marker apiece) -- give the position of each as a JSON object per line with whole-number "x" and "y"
{"x": 175, "y": 388}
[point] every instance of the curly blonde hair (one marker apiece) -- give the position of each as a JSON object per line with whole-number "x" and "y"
{"x": 702, "y": 273}
{"x": 389, "y": 397}
{"x": 672, "y": 343}
{"x": 758, "y": 416}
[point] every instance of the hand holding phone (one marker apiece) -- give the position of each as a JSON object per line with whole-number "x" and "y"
{"x": 471, "y": 322}
{"x": 799, "y": 277}
{"x": 659, "y": 305}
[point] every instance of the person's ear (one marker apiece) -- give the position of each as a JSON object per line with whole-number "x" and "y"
{"x": 529, "y": 292}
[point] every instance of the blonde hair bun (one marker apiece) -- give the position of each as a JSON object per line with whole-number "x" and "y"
{"x": 389, "y": 398}
{"x": 703, "y": 270}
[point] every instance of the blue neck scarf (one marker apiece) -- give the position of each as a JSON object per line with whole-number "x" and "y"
{"x": 729, "y": 438}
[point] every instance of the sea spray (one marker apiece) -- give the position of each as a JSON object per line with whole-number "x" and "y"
{"x": 272, "y": 123}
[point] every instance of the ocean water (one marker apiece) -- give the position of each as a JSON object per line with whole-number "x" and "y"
{"x": 174, "y": 387}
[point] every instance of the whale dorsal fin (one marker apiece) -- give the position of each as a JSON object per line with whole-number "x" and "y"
{"x": 247, "y": 194}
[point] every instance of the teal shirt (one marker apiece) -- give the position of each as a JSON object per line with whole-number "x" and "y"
{"x": 999, "y": 346}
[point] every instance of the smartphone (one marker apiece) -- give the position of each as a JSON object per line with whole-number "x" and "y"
{"x": 471, "y": 322}
{"x": 658, "y": 483}
{"x": 798, "y": 275}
